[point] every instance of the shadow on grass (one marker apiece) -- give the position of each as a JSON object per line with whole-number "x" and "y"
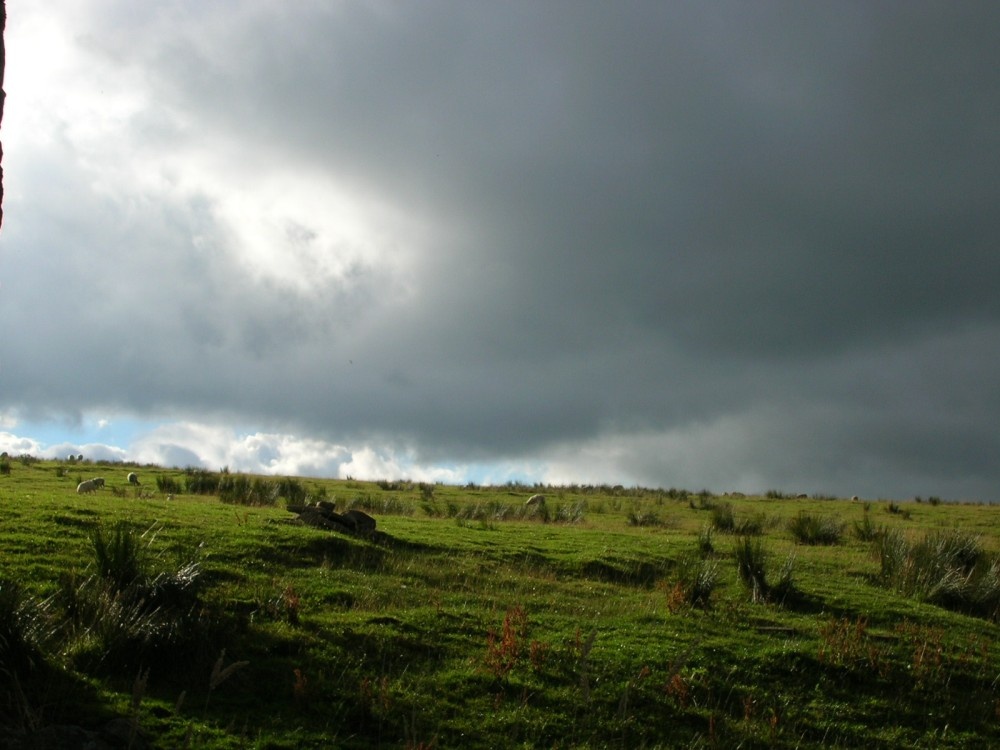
{"x": 31, "y": 704}
{"x": 627, "y": 572}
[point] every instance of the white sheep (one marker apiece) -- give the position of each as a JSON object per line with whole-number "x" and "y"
{"x": 86, "y": 486}
{"x": 98, "y": 482}
{"x": 132, "y": 478}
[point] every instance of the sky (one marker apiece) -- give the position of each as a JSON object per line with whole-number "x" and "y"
{"x": 733, "y": 246}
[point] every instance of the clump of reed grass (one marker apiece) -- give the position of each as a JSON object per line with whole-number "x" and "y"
{"x": 571, "y": 512}
{"x": 119, "y": 555}
{"x": 167, "y": 485}
{"x": 124, "y": 613}
{"x": 21, "y": 626}
{"x": 705, "y": 544}
{"x": 724, "y": 519}
{"x": 492, "y": 510}
{"x": 644, "y": 518}
{"x": 221, "y": 673}
{"x": 697, "y": 579}
{"x": 785, "y": 588}
{"x": 895, "y": 509}
{"x": 867, "y": 530}
{"x": 752, "y": 525}
{"x": 947, "y": 568}
{"x": 751, "y": 566}
{"x": 813, "y": 529}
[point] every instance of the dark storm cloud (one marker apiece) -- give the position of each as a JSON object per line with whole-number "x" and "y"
{"x": 757, "y": 239}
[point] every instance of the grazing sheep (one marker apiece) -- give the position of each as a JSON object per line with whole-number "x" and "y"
{"x": 854, "y": 498}
{"x": 132, "y": 478}
{"x": 802, "y": 496}
{"x": 87, "y": 486}
{"x": 535, "y": 500}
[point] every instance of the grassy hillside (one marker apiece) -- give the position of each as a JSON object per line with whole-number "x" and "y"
{"x": 609, "y": 617}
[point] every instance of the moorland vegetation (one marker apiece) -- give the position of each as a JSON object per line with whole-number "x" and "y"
{"x": 196, "y": 610}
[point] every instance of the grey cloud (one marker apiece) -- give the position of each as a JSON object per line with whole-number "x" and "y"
{"x": 641, "y": 220}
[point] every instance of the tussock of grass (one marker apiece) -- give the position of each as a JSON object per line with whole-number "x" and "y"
{"x": 946, "y": 568}
{"x": 867, "y": 530}
{"x": 751, "y": 565}
{"x": 20, "y": 631}
{"x": 696, "y": 580}
{"x": 724, "y": 519}
{"x": 810, "y": 528}
{"x": 644, "y": 518}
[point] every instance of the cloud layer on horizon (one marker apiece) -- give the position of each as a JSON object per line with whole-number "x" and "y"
{"x": 721, "y": 246}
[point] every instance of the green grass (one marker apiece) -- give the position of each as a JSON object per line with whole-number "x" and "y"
{"x": 615, "y": 619}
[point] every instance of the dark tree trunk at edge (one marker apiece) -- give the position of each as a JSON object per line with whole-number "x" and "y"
{"x": 3, "y": 95}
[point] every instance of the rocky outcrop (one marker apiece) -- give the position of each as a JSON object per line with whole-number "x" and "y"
{"x": 3, "y": 24}
{"x": 323, "y": 515}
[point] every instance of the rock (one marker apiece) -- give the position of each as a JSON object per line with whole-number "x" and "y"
{"x": 359, "y": 521}
{"x": 325, "y": 520}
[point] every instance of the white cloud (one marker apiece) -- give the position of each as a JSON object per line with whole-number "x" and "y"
{"x": 369, "y": 463}
{"x": 15, "y": 445}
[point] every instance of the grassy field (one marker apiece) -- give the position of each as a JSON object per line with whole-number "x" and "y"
{"x": 609, "y": 617}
